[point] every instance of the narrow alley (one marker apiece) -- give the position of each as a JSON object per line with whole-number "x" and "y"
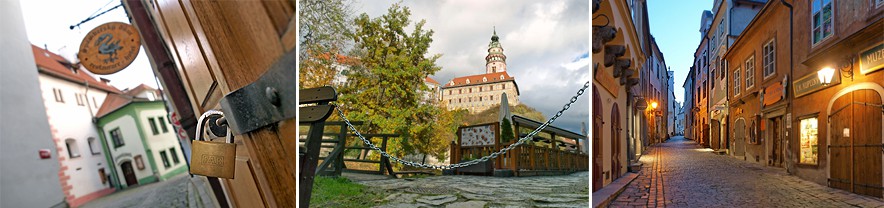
{"x": 680, "y": 173}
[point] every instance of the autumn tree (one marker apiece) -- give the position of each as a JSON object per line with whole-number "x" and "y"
{"x": 386, "y": 89}
{"x": 324, "y": 29}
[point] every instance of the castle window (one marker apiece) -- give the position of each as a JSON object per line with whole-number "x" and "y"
{"x": 485, "y": 79}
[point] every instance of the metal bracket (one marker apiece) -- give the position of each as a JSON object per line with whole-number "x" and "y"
{"x": 268, "y": 100}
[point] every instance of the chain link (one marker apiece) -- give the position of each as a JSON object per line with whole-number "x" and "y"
{"x": 472, "y": 162}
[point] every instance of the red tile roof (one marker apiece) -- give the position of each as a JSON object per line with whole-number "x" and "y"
{"x": 431, "y": 80}
{"x": 113, "y": 102}
{"x": 55, "y": 65}
{"x": 477, "y": 79}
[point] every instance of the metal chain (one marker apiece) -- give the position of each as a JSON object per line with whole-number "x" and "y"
{"x": 472, "y": 162}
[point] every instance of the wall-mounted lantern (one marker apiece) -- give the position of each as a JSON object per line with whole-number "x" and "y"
{"x": 825, "y": 75}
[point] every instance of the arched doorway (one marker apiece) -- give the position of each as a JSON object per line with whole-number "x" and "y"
{"x": 596, "y": 140}
{"x": 855, "y": 141}
{"x": 615, "y": 142}
{"x": 739, "y": 137}
{"x": 129, "y": 173}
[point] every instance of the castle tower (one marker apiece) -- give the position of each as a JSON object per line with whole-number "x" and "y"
{"x": 495, "y": 61}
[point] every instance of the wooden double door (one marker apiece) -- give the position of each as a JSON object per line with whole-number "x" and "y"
{"x": 213, "y": 48}
{"x": 855, "y": 144}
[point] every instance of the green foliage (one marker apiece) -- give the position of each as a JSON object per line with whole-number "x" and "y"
{"x": 323, "y": 26}
{"x": 386, "y": 88}
{"x": 491, "y": 114}
{"x": 506, "y": 131}
{"x": 341, "y": 192}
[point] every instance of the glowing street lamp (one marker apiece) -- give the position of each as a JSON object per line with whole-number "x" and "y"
{"x": 654, "y": 105}
{"x": 825, "y": 75}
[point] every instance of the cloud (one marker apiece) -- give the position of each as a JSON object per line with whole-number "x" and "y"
{"x": 546, "y": 44}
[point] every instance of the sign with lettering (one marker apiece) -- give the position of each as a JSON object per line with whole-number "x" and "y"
{"x": 109, "y": 48}
{"x": 871, "y": 59}
{"x": 607, "y": 81}
{"x": 811, "y": 83}
{"x": 773, "y": 93}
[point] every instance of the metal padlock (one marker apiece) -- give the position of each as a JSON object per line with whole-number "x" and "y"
{"x": 213, "y": 159}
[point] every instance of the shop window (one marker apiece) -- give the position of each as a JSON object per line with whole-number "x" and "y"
{"x": 102, "y": 175}
{"x": 822, "y": 25}
{"x": 768, "y": 59}
{"x": 808, "y": 133}
{"x": 750, "y": 72}
{"x": 752, "y": 131}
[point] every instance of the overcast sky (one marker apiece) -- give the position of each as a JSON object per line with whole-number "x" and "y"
{"x": 546, "y": 44}
{"x": 47, "y": 23}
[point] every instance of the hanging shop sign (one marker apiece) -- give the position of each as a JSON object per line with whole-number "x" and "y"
{"x": 109, "y": 48}
{"x": 773, "y": 93}
{"x": 872, "y": 59}
{"x": 607, "y": 81}
{"x": 811, "y": 83}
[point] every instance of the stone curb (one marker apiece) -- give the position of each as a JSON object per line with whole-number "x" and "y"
{"x": 603, "y": 197}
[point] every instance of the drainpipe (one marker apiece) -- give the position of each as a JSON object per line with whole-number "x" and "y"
{"x": 790, "y": 95}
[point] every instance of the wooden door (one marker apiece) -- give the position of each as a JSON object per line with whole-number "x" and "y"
{"x": 740, "y": 138}
{"x": 218, "y": 47}
{"x": 615, "y": 142}
{"x": 775, "y": 154}
{"x": 855, "y": 144}
{"x": 129, "y": 173}
{"x": 715, "y": 142}
{"x": 597, "y": 123}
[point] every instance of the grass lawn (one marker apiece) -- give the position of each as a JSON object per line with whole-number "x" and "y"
{"x": 341, "y": 192}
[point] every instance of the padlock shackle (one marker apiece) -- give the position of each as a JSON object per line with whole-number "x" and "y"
{"x": 202, "y": 122}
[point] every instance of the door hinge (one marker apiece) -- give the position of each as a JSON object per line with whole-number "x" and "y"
{"x": 268, "y": 100}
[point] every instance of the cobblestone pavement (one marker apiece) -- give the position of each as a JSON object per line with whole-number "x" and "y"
{"x": 180, "y": 191}
{"x": 679, "y": 173}
{"x": 485, "y": 191}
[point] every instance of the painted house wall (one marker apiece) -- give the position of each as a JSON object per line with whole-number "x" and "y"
{"x": 132, "y": 145}
{"x": 162, "y": 141}
{"x": 72, "y": 121}
{"x": 28, "y": 181}
{"x": 851, "y": 18}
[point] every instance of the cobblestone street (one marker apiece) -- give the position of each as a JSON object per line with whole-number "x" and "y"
{"x": 679, "y": 173}
{"x": 484, "y": 191}
{"x": 175, "y": 192}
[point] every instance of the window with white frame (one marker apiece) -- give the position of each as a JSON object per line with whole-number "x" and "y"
{"x": 822, "y": 24}
{"x": 769, "y": 58}
{"x": 737, "y": 81}
{"x": 750, "y": 72}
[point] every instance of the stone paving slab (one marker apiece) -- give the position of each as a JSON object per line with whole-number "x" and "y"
{"x": 679, "y": 173}
{"x": 484, "y": 191}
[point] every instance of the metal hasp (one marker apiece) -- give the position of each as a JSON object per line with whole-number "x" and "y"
{"x": 268, "y": 100}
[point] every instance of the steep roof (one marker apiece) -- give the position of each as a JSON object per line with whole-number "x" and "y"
{"x": 114, "y": 102}
{"x": 431, "y": 80}
{"x": 478, "y": 80}
{"x": 54, "y": 65}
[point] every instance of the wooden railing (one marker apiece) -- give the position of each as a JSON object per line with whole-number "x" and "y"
{"x": 525, "y": 159}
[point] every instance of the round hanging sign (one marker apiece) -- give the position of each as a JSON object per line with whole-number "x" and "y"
{"x": 109, "y": 48}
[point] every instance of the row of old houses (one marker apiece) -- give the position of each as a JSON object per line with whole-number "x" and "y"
{"x": 795, "y": 85}
{"x": 105, "y": 139}
{"x": 632, "y": 98}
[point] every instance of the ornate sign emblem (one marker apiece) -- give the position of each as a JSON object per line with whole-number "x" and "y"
{"x": 109, "y": 48}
